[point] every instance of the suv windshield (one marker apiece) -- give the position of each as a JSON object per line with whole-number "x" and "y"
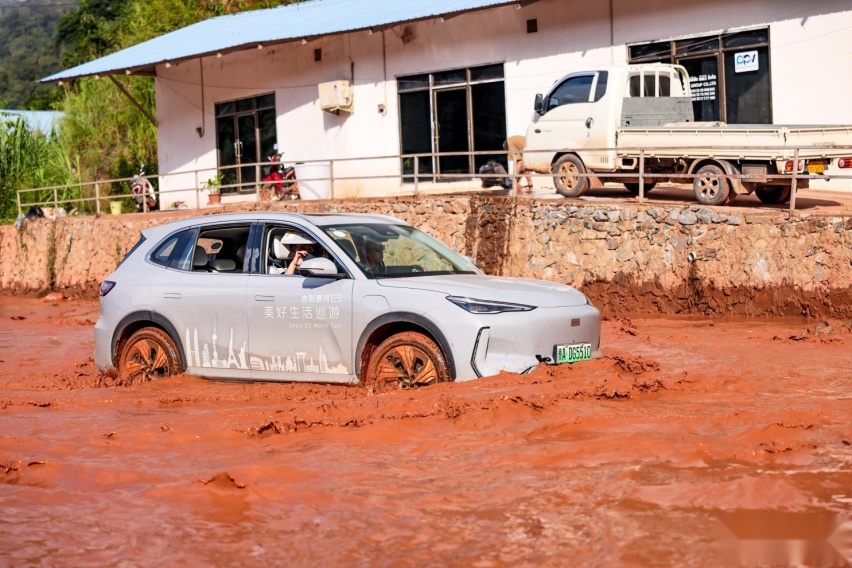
{"x": 395, "y": 251}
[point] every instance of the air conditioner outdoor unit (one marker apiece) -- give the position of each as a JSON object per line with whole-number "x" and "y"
{"x": 336, "y": 96}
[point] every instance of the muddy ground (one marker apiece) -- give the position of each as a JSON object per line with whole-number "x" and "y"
{"x": 694, "y": 441}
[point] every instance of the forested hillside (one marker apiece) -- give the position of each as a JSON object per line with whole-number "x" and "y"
{"x": 102, "y": 134}
{"x": 28, "y": 51}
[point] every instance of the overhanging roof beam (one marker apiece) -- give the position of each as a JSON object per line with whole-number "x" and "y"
{"x": 133, "y": 100}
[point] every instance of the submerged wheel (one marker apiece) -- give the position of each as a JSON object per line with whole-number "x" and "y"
{"x": 634, "y": 187}
{"x": 149, "y": 354}
{"x": 710, "y": 187}
{"x": 771, "y": 194}
{"x": 567, "y": 172}
{"x": 406, "y": 360}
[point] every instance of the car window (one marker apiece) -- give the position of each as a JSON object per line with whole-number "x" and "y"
{"x": 218, "y": 249}
{"x": 572, "y": 90}
{"x": 174, "y": 248}
{"x": 282, "y": 242}
{"x": 394, "y": 251}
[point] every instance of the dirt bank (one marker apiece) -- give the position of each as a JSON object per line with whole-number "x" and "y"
{"x": 695, "y": 441}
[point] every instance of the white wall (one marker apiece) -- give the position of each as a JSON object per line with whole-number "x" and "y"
{"x": 810, "y": 56}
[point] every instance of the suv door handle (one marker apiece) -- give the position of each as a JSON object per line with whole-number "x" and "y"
{"x": 172, "y": 295}
{"x": 264, "y": 298}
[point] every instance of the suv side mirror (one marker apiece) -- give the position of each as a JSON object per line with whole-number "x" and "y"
{"x": 539, "y": 103}
{"x": 320, "y": 268}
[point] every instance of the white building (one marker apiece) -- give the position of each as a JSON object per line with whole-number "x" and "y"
{"x": 458, "y": 76}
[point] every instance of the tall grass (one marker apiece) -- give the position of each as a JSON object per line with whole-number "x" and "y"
{"x": 29, "y": 158}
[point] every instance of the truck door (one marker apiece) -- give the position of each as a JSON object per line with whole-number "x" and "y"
{"x": 561, "y": 124}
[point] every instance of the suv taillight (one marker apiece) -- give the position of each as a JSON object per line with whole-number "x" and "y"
{"x": 106, "y": 286}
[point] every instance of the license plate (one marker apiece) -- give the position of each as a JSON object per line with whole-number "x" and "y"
{"x": 816, "y": 167}
{"x": 573, "y": 353}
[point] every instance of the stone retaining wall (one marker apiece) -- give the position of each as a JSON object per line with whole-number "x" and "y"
{"x": 626, "y": 258}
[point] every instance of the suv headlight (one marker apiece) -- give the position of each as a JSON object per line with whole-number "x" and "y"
{"x": 475, "y": 306}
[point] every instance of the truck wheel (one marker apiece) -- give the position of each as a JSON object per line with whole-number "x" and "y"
{"x": 634, "y": 187}
{"x": 406, "y": 360}
{"x": 566, "y": 176}
{"x": 710, "y": 187}
{"x": 773, "y": 193}
{"x": 148, "y": 354}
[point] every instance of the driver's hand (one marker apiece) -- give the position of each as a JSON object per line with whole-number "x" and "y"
{"x": 299, "y": 257}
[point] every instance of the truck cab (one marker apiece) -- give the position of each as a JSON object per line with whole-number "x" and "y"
{"x": 583, "y": 112}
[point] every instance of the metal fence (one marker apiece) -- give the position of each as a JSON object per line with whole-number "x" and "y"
{"x": 93, "y": 195}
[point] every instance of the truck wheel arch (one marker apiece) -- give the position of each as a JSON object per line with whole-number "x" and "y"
{"x": 730, "y": 169}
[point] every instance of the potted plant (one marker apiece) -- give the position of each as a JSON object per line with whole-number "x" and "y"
{"x": 213, "y": 187}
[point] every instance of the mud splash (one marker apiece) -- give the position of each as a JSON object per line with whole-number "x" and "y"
{"x": 699, "y": 441}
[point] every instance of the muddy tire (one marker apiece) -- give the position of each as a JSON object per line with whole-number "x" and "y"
{"x": 149, "y": 354}
{"x": 771, "y": 194}
{"x": 710, "y": 187}
{"x": 406, "y": 360}
{"x": 566, "y": 176}
{"x": 633, "y": 188}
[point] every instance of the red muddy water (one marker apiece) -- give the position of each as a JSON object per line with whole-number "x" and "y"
{"x": 694, "y": 441}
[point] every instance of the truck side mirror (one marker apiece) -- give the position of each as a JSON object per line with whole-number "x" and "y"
{"x": 539, "y": 103}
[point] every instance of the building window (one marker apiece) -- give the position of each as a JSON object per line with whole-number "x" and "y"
{"x": 729, "y": 73}
{"x": 245, "y": 136}
{"x": 459, "y": 111}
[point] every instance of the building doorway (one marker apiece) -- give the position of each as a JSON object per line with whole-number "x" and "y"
{"x": 245, "y": 135}
{"x": 462, "y": 112}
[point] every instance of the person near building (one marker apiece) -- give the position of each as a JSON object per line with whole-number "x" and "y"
{"x": 514, "y": 145}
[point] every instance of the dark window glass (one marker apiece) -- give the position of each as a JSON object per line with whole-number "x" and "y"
{"x": 747, "y": 99}
{"x": 224, "y": 108}
{"x": 742, "y": 39}
{"x": 656, "y": 51}
{"x": 244, "y": 105}
{"x": 488, "y": 102}
{"x": 696, "y": 45}
{"x": 665, "y": 86}
{"x": 454, "y": 77}
{"x": 416, "y": 132}
{"x": 600, "y": 89}
{"x": 266, "y": 101}
{"x": 174, "y": 250}
{"x": 413, "y": 82}
{"x": 704, "y": 84}
{"x": 571, "y": 91}
{"x": 486, "y": 72}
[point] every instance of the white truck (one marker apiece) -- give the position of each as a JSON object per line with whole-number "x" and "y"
{"x": 602, "y": 122}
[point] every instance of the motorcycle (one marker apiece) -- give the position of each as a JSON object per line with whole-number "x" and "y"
{"x": 280, "y": 183}
{"x": 143, "y": 192}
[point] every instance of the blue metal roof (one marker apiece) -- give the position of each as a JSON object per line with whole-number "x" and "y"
{"x": 304, "y": 20}
{"x": 43, "y": 120}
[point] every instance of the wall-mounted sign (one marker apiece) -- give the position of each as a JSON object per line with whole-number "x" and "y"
{"x": 745, "y": 61}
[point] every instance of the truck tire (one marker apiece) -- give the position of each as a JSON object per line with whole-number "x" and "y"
{"x": 634, "y": 187}
{"x": 710, "y": 187}
{"x": 566, "y": 176}
{"x": 771, "y": 194}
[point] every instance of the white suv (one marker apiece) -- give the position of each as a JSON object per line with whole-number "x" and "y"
{"x": 327, "y": 298}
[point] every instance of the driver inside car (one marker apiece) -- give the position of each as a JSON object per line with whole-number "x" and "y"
{"x": 373, "y": 257}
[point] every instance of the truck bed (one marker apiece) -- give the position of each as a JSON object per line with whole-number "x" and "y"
{"x": 735, "y": 141}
